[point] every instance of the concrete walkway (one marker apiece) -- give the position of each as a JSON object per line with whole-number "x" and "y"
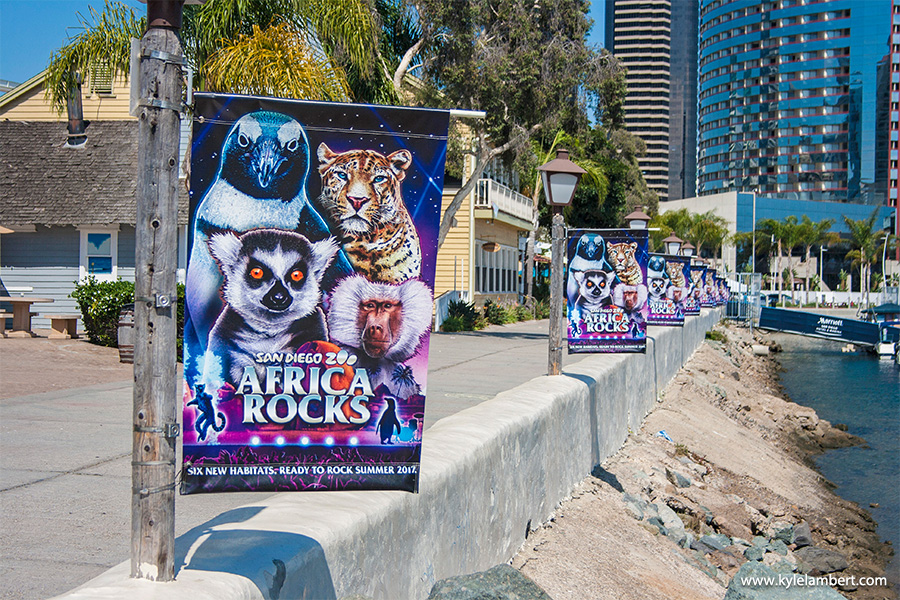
{"x": 65, "y": 457}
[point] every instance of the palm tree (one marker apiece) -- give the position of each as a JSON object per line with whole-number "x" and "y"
{"x": 791, "y": 237}
{"x": 814, "y": 234}
{"x": 709, "y": 228}
{"x": 310, "y": 49}
{"x": 864, "y": 243}
{"x": 773, "y": 232}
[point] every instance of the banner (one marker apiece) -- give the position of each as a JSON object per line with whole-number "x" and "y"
{"x": 606, "y": 290}
{"x": 695, "y": 289}
{"x": 822, "y": 326}
{"x": 667, "y": 289}
{"x": 309, "y": 293}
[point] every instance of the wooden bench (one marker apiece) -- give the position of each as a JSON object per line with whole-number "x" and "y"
{"x": 63, "y": 327}
{"x": 3, "y": 317}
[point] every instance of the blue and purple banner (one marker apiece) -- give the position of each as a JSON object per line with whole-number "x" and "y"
{"x": 696, "y": 288}
{"x": 309, "y": 294}
{"x": 667, "y": 289}
{"x": 606, "y": 290}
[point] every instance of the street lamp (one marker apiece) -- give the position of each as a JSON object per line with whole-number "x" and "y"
{"x": 637, "y": 220}
{"x": 560, "y": 178}
{"x": 673, "y": 244}
{"x": 821, "y": 270}
{"x": 688, "y": 249}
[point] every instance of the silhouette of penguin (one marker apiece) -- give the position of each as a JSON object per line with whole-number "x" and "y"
{"x": 261, "y": 183}
{"x": 388, "y": 422}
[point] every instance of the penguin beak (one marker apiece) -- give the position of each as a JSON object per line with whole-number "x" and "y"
{"x": 268, "y": 162}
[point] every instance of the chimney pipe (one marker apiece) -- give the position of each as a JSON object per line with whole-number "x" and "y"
{"x": 75, "y": 110}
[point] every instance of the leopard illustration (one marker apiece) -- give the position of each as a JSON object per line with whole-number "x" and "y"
{"x": 362, "y": 202}
{"x": 621, "y": 257}
{"x": 676, "y": 273}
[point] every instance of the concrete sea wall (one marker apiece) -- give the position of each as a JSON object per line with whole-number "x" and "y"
{"x": 489, "y": 474}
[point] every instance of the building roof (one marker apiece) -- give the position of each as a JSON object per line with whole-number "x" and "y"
{"x": 44, "y": 182}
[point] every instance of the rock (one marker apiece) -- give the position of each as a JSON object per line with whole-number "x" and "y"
{"x": 501, "y": 581}
{"x": 756, "y": 581}
{"x": 677, "y": 479}
{"x": 813, "y": 558}
{"x": 781, "y": 531}
{"x": 802, "y": 535}
{"x": 754, "y": 553}
{"x": 673, "y": 524}
{"x": 657, "y": 522}
{"x": 634, "y": 506}
{"x": 760, "y": 350}
{"x": 356, "y": 597}
{"x": 702, "y": 547}
{"x": 726, "y": 561}
{"x": 718, "y": 541}
{"x": 759, "y": 541}
{"x": 778, "y": 547}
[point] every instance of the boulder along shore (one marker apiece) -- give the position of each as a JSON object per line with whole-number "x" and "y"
{"x": 715, "y": 497}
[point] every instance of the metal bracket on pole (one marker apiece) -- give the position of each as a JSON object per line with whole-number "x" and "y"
{"x": 144, "y": 492}
{"x": 160, "y": 301}
{"x": 169, "y": 430}
{"x": 155, "y": 103}
{"x": 166, "y": 57}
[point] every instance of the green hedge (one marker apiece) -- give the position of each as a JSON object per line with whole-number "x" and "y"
{"x": 100, "y": 303}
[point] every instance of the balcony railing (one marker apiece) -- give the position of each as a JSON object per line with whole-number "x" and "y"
{"x": 496, "y": 196}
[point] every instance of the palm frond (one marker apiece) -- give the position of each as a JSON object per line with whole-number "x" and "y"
{"x": 277, "y": 61}
{"x": 105, "y": 39}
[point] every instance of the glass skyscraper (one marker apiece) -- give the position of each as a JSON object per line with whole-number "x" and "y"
{"x": 788, "y": 95}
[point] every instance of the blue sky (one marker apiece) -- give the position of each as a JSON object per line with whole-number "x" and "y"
{"x": 30, "y": 30}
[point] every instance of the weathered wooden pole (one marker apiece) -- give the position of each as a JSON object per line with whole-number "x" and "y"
{"x": 155, "y": 425}
{"x": 557, "y": 248}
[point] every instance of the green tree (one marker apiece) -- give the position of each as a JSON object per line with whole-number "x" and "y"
{"x": 310, "y": 49}
{"x": 527, "y": 65}
{"x": 708, "y": 229}
{"x": 814, "y": 234}
{"x": 864, "y": 247}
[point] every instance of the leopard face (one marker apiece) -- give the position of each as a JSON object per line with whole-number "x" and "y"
{"x": 361, "y": 189}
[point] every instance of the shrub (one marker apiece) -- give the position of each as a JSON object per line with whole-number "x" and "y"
{"x": 100, "y": 303}
{"x": 716, "y": 336}
{"x": 453, "y": 323}
{"x": 465, "y": 311}
{"x": 521, "y": 313}
{"x": 542, "y": 309}
{"x": 494, "y": 313}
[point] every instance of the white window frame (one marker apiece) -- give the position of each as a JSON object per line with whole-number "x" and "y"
{"x": 83, "y": 253}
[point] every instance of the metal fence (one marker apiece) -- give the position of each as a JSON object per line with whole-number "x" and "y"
{"x": 744, "y": 301}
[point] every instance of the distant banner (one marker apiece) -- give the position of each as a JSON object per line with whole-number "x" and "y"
{"x": 667, "y": 289}
{"x": 695, "y": 289}
{"x": 309, "y": 294}
{"x": 606, "y": 290}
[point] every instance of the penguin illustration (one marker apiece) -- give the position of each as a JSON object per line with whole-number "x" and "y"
{"x": 261, "y": 182}
{"x": 388, "y": 422}
{"x": 657, "y": 277}
{"x": 590, "y": 255}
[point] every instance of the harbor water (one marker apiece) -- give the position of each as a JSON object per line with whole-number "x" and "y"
{"x": 863, "y": 392}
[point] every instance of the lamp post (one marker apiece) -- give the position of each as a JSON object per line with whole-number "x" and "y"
{"x": 637, "y": 220}
{"x": 672, "y": 244}
{"x": 560, "y": 178}
{"x": 688, "y": 250}
{"x": 821, "y": 270}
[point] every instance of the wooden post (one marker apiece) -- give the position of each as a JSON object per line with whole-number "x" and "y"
{"x": 155, "y": 425}
{"x": 557, "y": 287}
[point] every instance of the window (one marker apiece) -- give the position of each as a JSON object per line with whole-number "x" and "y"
{"x": 101, "y": 78}
{"x": 496, "y": 272}
{"x": 99, "y": 253}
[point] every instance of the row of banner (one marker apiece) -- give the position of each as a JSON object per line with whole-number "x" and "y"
{"x": 615, "y": 288}
{"x": 309, "y": 293}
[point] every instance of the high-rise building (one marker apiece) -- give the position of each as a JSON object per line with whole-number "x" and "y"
{"x": 891, "y": 106}
{"x": 788, "y": 93}
{"x": 656, "y": 40}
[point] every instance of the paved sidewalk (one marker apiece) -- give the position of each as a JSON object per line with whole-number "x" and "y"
{"x": 65, "y": 454}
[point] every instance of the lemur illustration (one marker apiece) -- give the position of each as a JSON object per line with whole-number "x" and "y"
{"x": 589, "y": 256}
{"x": 261, "y": 182}
{"x": 204, "y": 403}
{"x": 594, "y": 289}
{"x": 272, "y": 295}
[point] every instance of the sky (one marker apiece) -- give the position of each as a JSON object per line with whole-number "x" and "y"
{"x": 31, "y": 30}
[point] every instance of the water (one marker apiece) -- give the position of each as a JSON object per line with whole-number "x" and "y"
{"x": 862, "y": 392}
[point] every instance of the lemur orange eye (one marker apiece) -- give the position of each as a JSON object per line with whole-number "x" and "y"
{"x": 296, "y": 275}
{"x": 256, "y": 273}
